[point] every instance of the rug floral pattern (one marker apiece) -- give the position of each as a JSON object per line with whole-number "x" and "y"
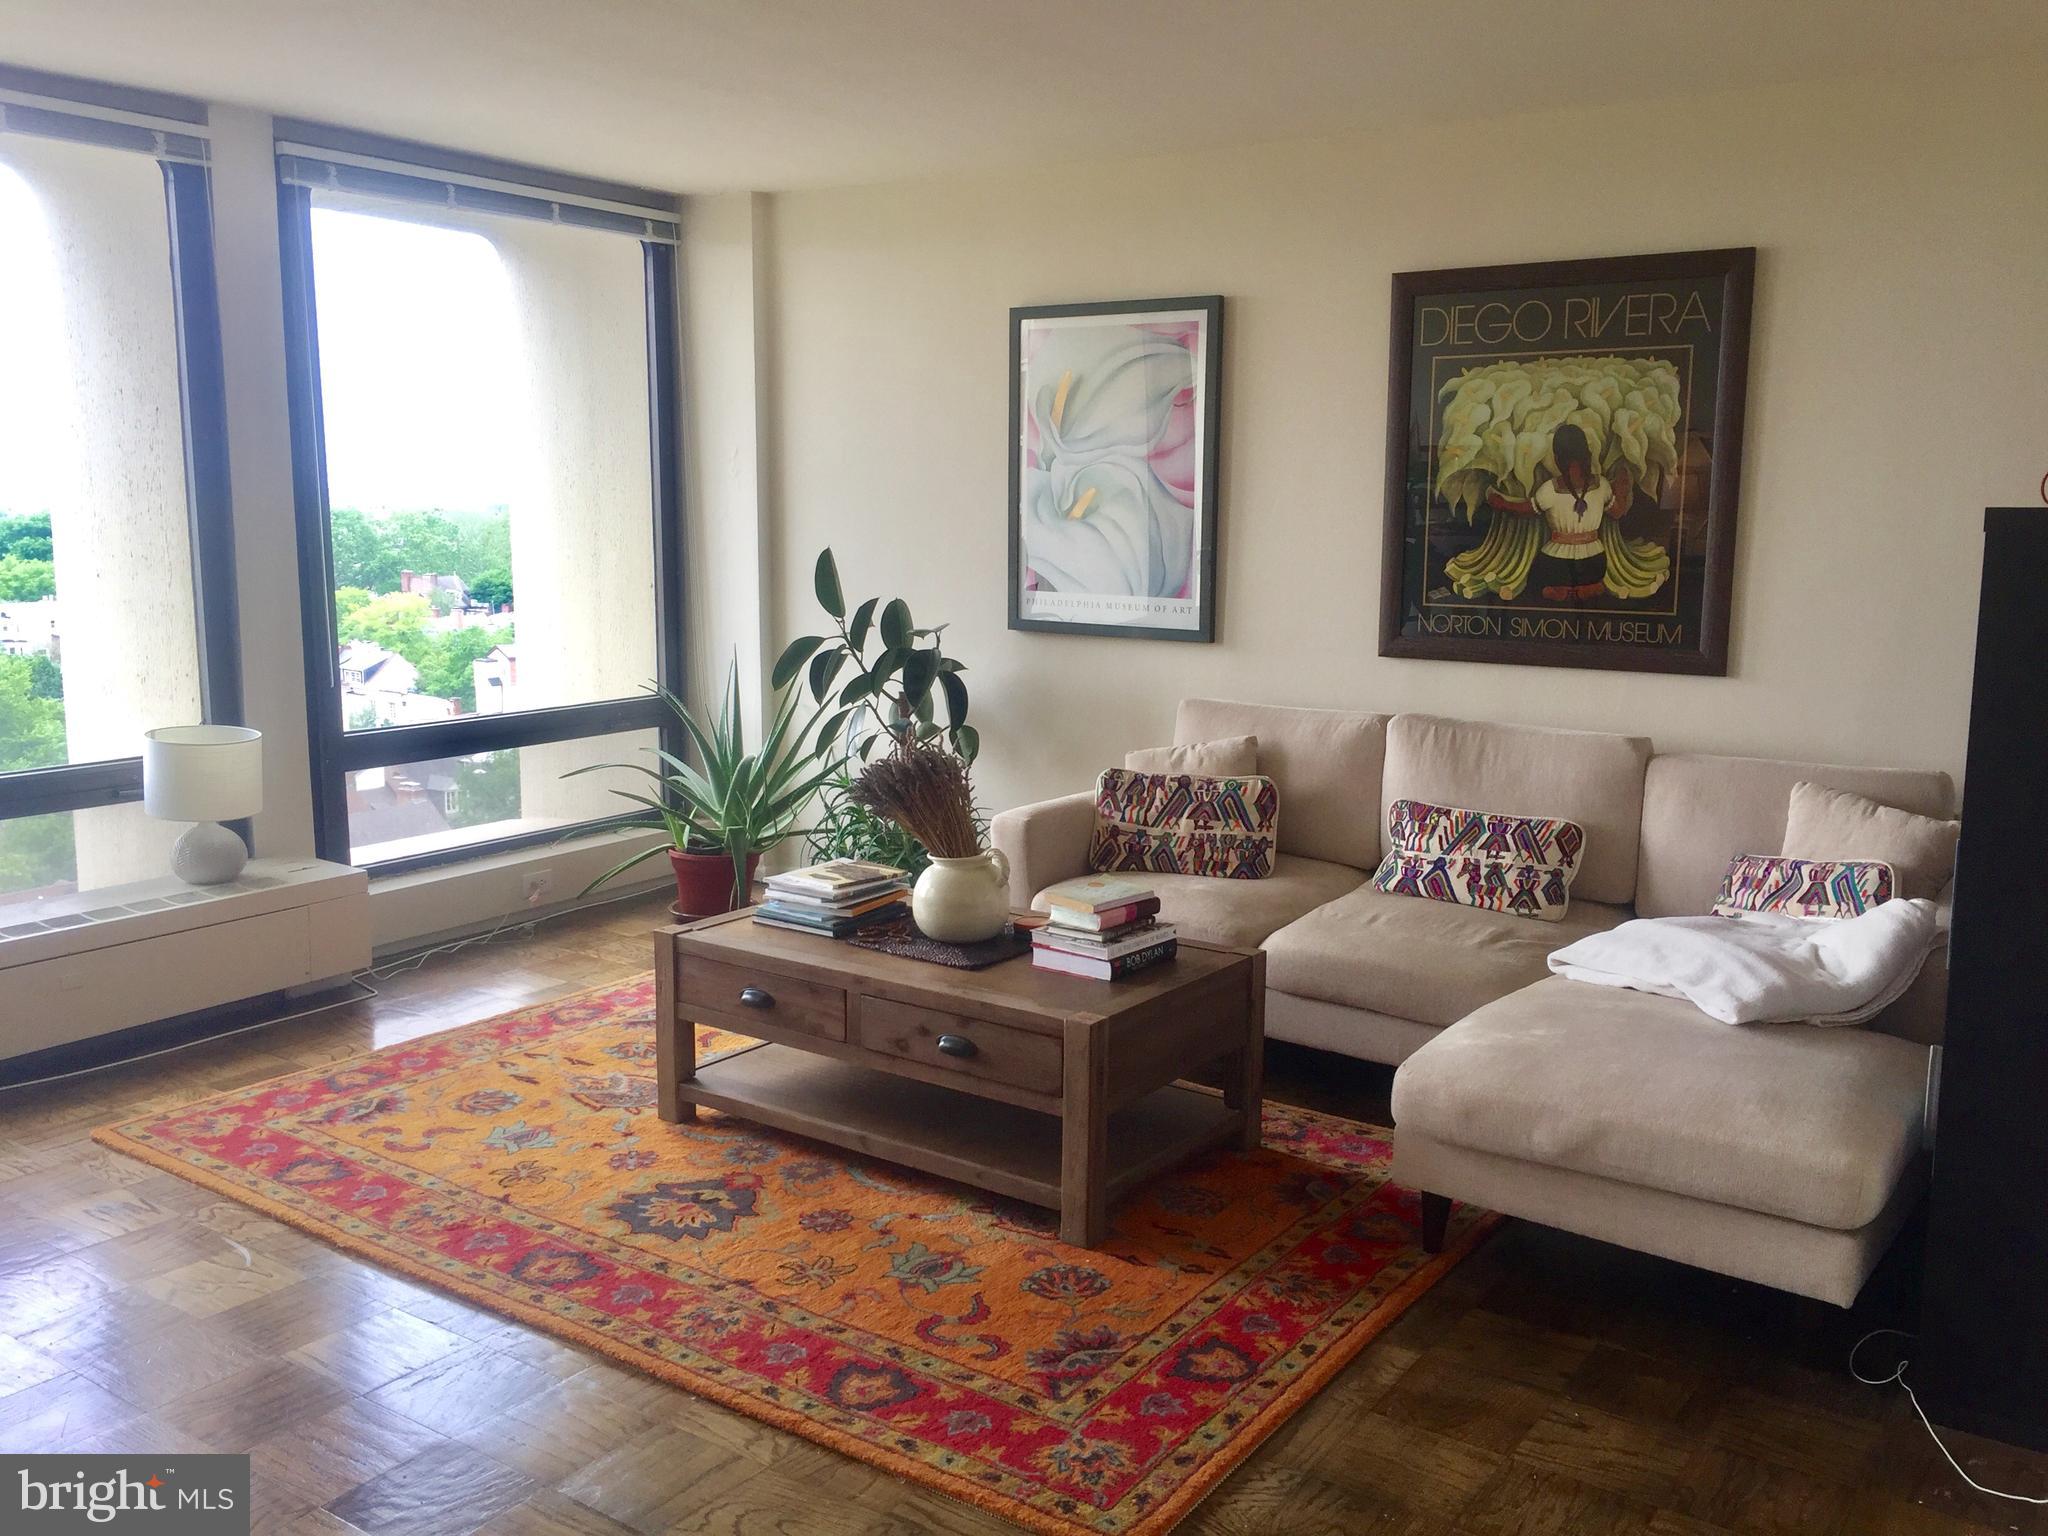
{"x": 943, "y": 1334}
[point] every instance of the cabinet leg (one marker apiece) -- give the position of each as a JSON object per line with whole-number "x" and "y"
{"x": 1244, "y": 1076}
{"x": 675, "y": 1039}
{"x": 1436, "y": 1218}
{"x": 1084, "y": 1141}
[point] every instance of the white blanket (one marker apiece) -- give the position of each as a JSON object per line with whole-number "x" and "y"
{"x": 1761, "y": 968}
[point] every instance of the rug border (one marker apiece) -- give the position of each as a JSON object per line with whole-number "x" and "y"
{"x": 1162, "y": 1518}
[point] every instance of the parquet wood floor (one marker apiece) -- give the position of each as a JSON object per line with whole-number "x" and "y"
{"x": 1550, "y": 1386}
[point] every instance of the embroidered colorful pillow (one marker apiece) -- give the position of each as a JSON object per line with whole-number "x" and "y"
{"x": 1517, "y": 864}
{"x": 1822, "y": 888}
{"x": 1185, "y": 824}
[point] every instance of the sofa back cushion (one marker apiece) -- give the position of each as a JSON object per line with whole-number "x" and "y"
{"x": 1587, "y": 777}
{"x": 1699, "y": 812}
{"x": 1232, "y": 757}
{"x": 1326, "y": 762}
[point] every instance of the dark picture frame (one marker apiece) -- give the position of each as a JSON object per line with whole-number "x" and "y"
{"x": 1665, "y": 327}
{"x": 1044, "y": 496}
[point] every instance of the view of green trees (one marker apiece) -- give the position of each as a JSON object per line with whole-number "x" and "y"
{"x": 27, "y": 571}
{"x": 370, "y": 553}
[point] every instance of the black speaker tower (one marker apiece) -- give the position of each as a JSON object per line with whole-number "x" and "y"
{"x": 1981, "y": 1361}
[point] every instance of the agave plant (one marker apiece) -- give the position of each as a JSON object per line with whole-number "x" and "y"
{"x": 739, "y": 801}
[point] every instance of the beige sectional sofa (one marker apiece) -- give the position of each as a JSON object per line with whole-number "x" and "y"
{"x": 1786, "y": 1154}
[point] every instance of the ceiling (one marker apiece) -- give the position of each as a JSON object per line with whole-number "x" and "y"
{"x": 693, "y": 95}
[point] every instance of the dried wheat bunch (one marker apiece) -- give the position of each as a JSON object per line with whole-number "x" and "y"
{"x": 924, "y": 789}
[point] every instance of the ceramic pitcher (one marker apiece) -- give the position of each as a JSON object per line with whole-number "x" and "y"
{"x": 960, "y": 901}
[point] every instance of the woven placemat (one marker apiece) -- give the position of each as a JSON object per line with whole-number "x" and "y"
{"x": 902, "y": 937}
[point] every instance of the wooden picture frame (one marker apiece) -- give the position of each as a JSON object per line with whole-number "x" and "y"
{"x": 1566, "y": 579}
{"x": 1143, "y": 467}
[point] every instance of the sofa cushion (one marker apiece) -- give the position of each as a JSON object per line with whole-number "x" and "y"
{"x": 1811, "y": 1124}
{"x": 1518, "y": 864}
{"x": 1421, "y": 960}
{"x": 1233, "y": 757}
{"x": 1183, "y": 824}
{"x": 1823, "y": 823}
{"x": 1240, "y": 913}
{"x": 1821, "y": 889}
{"x": 1699, "y": 812}
{"x": 1593, "y": 779}
{"x": 1326, "y": 761}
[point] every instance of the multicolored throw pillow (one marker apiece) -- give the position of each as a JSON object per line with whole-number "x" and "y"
{"x": 1185, "y": 824}
{"x": 1517, "y": 864}
{"x": 1822, "y": 888}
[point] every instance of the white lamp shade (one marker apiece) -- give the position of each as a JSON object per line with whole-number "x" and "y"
{"x": 202, "y": 772}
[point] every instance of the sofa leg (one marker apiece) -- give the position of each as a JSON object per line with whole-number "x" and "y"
{"x": 1436, "y": 1216}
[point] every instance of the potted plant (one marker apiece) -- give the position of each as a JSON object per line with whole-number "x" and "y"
{"x": 895, "y": 690}
{"x": 900, "y": 680}
{"x": 721, "y": 816}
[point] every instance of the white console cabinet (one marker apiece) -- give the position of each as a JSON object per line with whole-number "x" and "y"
{"x": 111, "y": 959}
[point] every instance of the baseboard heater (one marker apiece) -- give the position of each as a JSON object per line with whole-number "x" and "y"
{"x": 101, "y": 961}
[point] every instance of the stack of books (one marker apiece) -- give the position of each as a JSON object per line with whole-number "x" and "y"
{"x": 1102, "y": 927}
{"x": 834, "y": 898}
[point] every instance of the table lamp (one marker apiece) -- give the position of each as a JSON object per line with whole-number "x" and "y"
{"x": 205, "y": 774}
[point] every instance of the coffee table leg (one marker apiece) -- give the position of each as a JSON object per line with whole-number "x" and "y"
{"x": 1084, "y": 1141}
{"x": 675, "y": 1038}
{"x": 1244, "y": 1082}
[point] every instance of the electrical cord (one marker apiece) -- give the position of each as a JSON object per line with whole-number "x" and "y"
{"x": 1898, "y": 1375}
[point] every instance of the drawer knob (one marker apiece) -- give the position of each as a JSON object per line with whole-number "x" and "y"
{"x": 957, "y": 1045}
{"x": 754, "y": 997}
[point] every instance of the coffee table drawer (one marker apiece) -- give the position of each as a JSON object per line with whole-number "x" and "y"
{"x": 997, "y": 1052}
{"x": 741, "y": 995}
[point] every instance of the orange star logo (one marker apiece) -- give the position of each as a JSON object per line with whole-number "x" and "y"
{"x": 155, "y": 1481}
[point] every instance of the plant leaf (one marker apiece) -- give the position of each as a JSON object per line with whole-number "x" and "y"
{"x": 956, "y": 698}
{"x": 919, "y": 669}
{"x": 823, "y": 665}
{"x": 863, "y": 618}
{"x": 967, "y": 742}
{"x": 948, "y": 664}
{"x": 896, "y": 624}
{"x": 622, "y": 866}
{"x": 861, "y": 687}
{"x": 791, "y": 661}
{"x": 826, "y": 581}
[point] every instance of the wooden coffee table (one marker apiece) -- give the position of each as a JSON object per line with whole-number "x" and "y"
{"x": 1052, "y": 1089}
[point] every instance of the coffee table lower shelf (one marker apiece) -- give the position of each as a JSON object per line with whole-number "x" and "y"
{"x": 982, "y": 1142}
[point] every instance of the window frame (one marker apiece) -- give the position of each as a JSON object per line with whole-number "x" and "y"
{"x": 336, "y": 751}
{"x": 202, "y": 391}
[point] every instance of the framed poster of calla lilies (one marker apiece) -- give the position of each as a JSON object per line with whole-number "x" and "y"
{"x": 1564, "y": 444}
{"x": 1113, "y": 467}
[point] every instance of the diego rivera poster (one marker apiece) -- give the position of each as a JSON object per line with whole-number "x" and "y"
{"x": 1564, "y": 442}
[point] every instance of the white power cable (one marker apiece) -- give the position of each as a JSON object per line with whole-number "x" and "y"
{"x": 1898, "y": 1375}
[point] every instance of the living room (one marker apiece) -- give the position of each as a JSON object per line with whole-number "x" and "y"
{"x": 1510, "y": 539}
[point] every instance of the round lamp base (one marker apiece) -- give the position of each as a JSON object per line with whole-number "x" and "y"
{"x": 208, "y": 854}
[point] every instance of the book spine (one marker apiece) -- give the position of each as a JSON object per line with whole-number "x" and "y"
{"x": 1156, "y": 954}
{"x": 1110, "y": 917}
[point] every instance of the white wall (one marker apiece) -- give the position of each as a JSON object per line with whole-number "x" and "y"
{"x": 1895, "y": 390}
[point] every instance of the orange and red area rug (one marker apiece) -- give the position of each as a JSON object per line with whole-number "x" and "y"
{"x": 941, "y": 1334}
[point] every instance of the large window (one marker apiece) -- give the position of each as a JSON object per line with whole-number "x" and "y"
{"x": 116, "y": 597}
{"x": 484, "y": 429}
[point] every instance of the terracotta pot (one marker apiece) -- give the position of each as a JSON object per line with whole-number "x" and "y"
{"x": 704, "y": 882}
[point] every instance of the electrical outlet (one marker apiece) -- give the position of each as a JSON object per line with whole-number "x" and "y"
{"x": 538, "y": 884}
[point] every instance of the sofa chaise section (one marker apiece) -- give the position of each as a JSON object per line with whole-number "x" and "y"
{"x": 1787, "y": 1154}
